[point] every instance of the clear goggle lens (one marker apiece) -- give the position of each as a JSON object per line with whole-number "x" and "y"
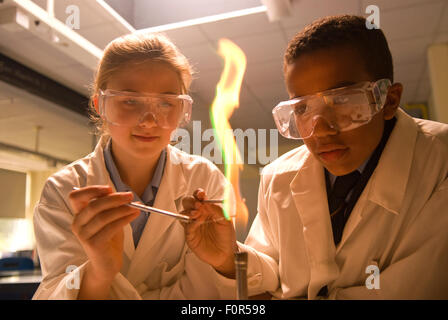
{"x": 128, "y": 109}
{"x": 342, "y": 109}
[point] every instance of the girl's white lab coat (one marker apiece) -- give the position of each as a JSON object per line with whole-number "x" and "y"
{"x": 399, "y": 225}
{"x": 161, "y": 267}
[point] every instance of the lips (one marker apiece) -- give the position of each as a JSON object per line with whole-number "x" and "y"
{"x": 331, "y": 153}
{"x": 145, "y": 138}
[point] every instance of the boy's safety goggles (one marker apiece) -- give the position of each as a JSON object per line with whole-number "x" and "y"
{"x": 128, "y": 109}
{"x": 341, "y": 109}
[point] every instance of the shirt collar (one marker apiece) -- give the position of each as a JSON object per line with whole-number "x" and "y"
{"x": 151, "y": 189}
{"x": 360, "y": 169}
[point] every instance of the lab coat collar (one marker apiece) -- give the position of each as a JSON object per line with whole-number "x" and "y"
{"x": 168, "y": 197}
{"x": 397, "y": 159}
{"x": 308, "y": 191}
{"x": 96, "y": 172}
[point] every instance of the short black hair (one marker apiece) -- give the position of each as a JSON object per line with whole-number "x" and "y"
{"x": 344, "y": 30}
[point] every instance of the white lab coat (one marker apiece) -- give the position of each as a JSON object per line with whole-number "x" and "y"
{"x": 161, "y": 267}
{"x": 399, "y": 224}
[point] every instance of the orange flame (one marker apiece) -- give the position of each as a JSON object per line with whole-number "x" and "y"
{"x": 226, "y": 101}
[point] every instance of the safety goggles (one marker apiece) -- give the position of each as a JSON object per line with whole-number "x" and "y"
{"x": 128, "y": 109}
{"x": 342, "y": 109}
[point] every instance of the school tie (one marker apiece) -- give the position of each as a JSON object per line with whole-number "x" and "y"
{"x": 337, "y": 203}
{"x": 139, "y": 223}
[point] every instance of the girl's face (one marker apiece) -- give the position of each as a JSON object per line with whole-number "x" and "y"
{"x": 145, "y": 140}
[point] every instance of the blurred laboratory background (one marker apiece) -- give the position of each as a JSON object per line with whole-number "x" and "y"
{"x": 47, "y": 63}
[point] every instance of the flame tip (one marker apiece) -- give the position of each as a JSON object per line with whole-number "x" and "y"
{"x": 225, "y": 102}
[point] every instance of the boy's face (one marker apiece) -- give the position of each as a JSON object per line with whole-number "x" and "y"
{"x": 339, "y": 152}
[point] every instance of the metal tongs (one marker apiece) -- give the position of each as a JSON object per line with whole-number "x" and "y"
{"x": 179, "y": 216}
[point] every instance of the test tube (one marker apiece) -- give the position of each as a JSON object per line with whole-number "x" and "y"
{"x": 241, "y": 275}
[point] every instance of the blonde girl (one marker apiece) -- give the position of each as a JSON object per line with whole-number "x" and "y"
{"x": 90, "y": 243}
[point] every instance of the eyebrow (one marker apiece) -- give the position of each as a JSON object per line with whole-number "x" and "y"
{"x": 338, "y": 85}
{"x": 166, "y": 92}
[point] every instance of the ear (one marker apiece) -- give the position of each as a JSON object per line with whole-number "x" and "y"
{"x": 392, "y": 100}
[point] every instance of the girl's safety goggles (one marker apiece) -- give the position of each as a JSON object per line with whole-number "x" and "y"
{"x": 342, "y": 109}
{"x": 128, "y": 109}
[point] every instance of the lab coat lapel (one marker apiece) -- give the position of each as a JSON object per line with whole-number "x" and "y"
{"x": 354, "y": 218}
{"x": 310, "y": 198}
{"x": 97, "y": 174}
{"x": 397, "y": 158}
{"x": 381, "y": 189}
{"x": 169, "y": 195}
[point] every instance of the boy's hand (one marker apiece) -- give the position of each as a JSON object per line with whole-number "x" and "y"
{"x": 210, "y": 236}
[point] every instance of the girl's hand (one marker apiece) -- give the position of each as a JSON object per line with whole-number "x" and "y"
{"x": 210, "y": 236}
{"x": 100, "y": 216}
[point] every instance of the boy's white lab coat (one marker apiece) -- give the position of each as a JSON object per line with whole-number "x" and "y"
{"x": 161, "y": 267}
{"x": 399, "y": 224}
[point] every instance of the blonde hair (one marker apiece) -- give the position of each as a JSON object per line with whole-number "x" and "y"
{"x": 135, "y": 49}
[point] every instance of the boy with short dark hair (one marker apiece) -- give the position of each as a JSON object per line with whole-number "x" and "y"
{"x": 360, "y": 210}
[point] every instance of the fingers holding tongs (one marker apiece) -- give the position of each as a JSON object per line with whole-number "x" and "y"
{"x": 193, "y": 203}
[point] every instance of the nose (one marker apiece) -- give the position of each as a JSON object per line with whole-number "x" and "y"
{"x": 148, "y": 120}
{"x": 322, "y": 127}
